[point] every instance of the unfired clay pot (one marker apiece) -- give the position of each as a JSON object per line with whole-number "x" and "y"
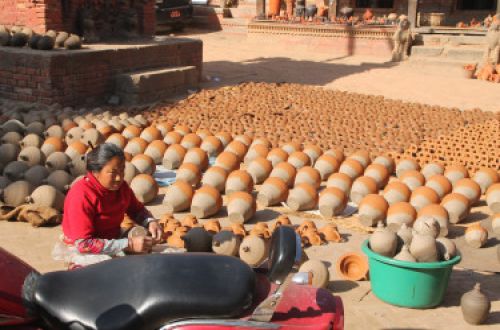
{"x": 383, "y": 241}
{"x": 284, "y": 171}
{"x": 253, "y": 250}
{"x": 189, "y": 173}
{"x": 446, "y": 248}
{"x": 439, "y": 213}
{"x": 426, "y": 225}
{"x": 15, "y": 193}
{"x": 151, "y": 133}
{"x": 412, "y": 178}
{"x": 216, "y": 177}
{"x": 485, "y": 177}
{"x": 387, "y": 162}
{"x": 423, "y": 196}
{"x": 259, "y": 168}
{"x": 36, "y": 175}
{"x": 32, "y": 156}
{"x": 372, "y": 209}
{"x": 277, "y": 155}
{"x": 226, "y": 243}
{"x": 302, "y": 197}
{"x": 352, "y": 168}
{"x": 475, "y": 306}
{"x": 156, "y": 150}
{"x": 228, "y": 161}
{"x": 457, "y": 206}
{"x": 178, "y": 197}
{"x": 144, "y": 187}
{"x": 174, "y": 156}
{"x": 60, "y": 180}
{"x": 424, "y": 248}
{"x": 469, "y": 188}
{"x": 332, "y": 202}
{"x": 476, "y": 236}
{"x": 172, "y": 138}
{"x": 405, "y": 235}
{"x": 361, "y": 187}
{"x": 309, "y": 175}
{"x": 239, "y": 181}
{"x": 326, "y": 165}
{"x": 495, "y": 223}
{"x": 352, "y": 266}
{"x": 362, "y": 156}
{"x": 144, "y": 164}
{"x": 431, "y": 169}
{"x": 400, "y": 213}
{"x": 273, "y": 192}
{"x": 396, "y": 192}
{"x": 440, "y": 184}
{"x": 136, "y": 146}
{"x": 455, "y": 173}
{"x": 406, "y": 165}
{"x": 212, "y": 146}
{"x": 341, "y": 181}
{"x": 238, "y": 148}
{"x": 313, "y": 151}
{"x": 405, "y": 255}
{"x": 319, "y": 272}
{"x": 241, "y": 207}
{"x": 207, "y": 201}
{"x": 256, "y": 151}
{"x": 47, "y": 196}
{"x": 379, "y": 173}
{"x": 493, "y": 197}
{"x": 299, "y": 159}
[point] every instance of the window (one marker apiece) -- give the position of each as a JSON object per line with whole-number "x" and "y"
{"x": 375, "y": 3}
{"x": 476, "y": 4}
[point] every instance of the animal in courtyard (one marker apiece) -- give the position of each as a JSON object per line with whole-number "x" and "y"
{"x": 402, "y": 39}
{"x": 492, "y": 52}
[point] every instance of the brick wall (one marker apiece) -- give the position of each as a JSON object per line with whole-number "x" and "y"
{"x": 85, "y": 76}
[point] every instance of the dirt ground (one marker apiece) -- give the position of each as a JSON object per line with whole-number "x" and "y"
{"x": 231, "y": 58}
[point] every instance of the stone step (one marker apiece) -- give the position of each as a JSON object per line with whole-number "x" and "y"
{"x": 439, "y": 66}
{"x": 453, "y": 53}
{"x": 243, "y": 11}
{"x": 151, "y": 85}
{"x": 448, "y": 40}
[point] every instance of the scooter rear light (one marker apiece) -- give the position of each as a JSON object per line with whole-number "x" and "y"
{"x": 302, "y": 278}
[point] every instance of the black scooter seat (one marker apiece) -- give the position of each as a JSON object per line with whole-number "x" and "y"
{"x": 145, "y": 292}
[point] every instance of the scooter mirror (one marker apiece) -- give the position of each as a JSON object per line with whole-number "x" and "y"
{"x": 284, "y": 253}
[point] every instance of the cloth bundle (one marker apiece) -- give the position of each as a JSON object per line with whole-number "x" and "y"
{"x": 37, "y": 216}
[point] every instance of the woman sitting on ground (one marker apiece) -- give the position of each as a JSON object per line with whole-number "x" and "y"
{"x": 96, "y": 205}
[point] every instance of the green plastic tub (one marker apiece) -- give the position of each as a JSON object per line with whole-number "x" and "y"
{"x": 408, "y": 284}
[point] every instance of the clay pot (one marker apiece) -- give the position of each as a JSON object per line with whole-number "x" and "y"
{"x": 11, "y": 137}
{"x": 144, "y": 164}
{"x": 136, "y": 146}
{"x": 238, "y": 148}
{"x": 341, "y": 181}
{"x": 351, "y": 168}
{"x": 372, "y": 209}
{"x": 406, "y": 165}
{"x": 405, "y": 235}
{"x": 31, "y": 140}
{"x": 308, "y": 175}
{"x": 412, "y": 178}
{"x": 457, "y": 206}
{"x": 284, "y": 171}
{"x": 362, "y": 156}
{"x": 207, "y": 201}
{"x": 73, "y": 135}
{"x": 437, "y": 212}
{"x": 276, "y": 156}
{"x": 330, "y": 233}
{"x": 189, "y": 173}
{"x": 130, "y": 172}
{"x": 156, "y": 150}
{"x": 228, "y": 161}
{"x": 313, "y": 151}
{"x": 212, "y": 226}
{"x": 8, "y": 153}
{"x": 261, "y": 141}
{"x": 47, "y": 196}
{"x": 338, "y": 153}
{"x": 36, "y": 175}
{"x": 495, "y": 222}
{"x": 299, "y": 159}
{"x": 226, "y": 243}
{"x": 302, "y": 197}
{"x": 4, "y": 182}
{"x": 319, "y": 271}
{"x": 77, "y": 166}
{"x": 14, "y": 171}
{"x": 260, "y": 169}
{"x": 423, "y": 196}
{"x": 326, "y": 165}
{"x": 485, "y": 177}
{"x": 172, "y": 138}
{"x": 144, "y": 187}
{"x": 262, "y": 232}
{"x": 117, "y": 139}
{"x": 400, "y": 213}
{"x": 57, "y": 161}
{"x": 476, "y": 236}
{"x": 151, "y": 134}
{"x": 274, "y": 191}
{"x": 469, "y": 188}
{"x": 383, "y": 241}
{"x": 424, "y": 248}
{"x": 291, "y": 147}
{"x": 15, "y": 193}
{"x": 54, "y": 131}
{"x": 455, "y": 173}
{"x": 475, "y": 306}
{"x": 211, "y": 145}
{"x": 256, "y": 151}
{"x": 203, "y": 133}
{"x": 352, "y": 266}
{"x": 241, "y": 207}
{"x": 440, "y": 184}
{"x": 426, "y": 225}
{"x": 51, "y": 145}
{"x": 32, "y": 156}
{"x": 198, "y": 240}
{"x": 190, "y": 221}
{"x": 173, "y": 157}
{"x": 379, "y": 173}
{"x": 92, "y": 137}
{"x": 60, "y": 180}
{"x": 387, "y": 162}
{"x": 216, "y": 177}
{"x": 239, "y": 181}
{"x": 178, "y": 197}
{"x": 332, "y": 202}
{"x": 175, "y": 240}
{"x": 311, "y": 237}
{"x": 431, "y": 169}
{"x": 224, "y": 137}
{"x": 361, "y": 187}
{"x": 73, "y": 42}
{"x": 305, "y": 226}
{"x": 405, "y": 255}
{"x": 446, "y": 248}
{"x": 253, "y": 250}
{"x": 131, "y": 132}
{"x": 493, "y": 198}
{"x": 191, "y": 141}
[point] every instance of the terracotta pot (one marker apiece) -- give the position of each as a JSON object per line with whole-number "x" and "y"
{"x": 216, "y": 177}
{"x": 318, "y": 271}
{"x": 330, "y": 233}
{"x": 224, "y": 137}
{"x": 182, "y": 129}
{"x": 189, "y": 173}
{"x": 485, "y": 177}
{"x": 308, "y": 175}
{"x": 379, "y": 173}
{"x": 117, "y": 139}
{"x": 238, "y": 148}
{"x": 239, "y": 181}
{"x": 302, "y": 197}
{"x": 144, "y": 164}
{"x": 239, "y": 230}
{"x": 131, "y": 132}
{"x": 212, "y": 226}
{"x": 178, "y": 197}
{"x": 260, "y": 169}
{"x": 495, "y": 223}
{"x": 211, "y": 145}
{"x": 446, "y": 248}
{"x": 455, "y": 173}
{"x": 253, "y": 250}
{"x": 362, "y": 187}
{"x": 396, "y": 192}
{"x": 191, "y": 140}
{"x": 92, "y": 137}
{"x": 457, "y": 206}
{"x": 285, "y": 171}
{"x": 412, "y": 178}
{"x": 156, "y": 150}
{"x": 431, "y": 169}
{"x": 198, "y": 157}
{"x": 341, "y": 181}
{"x": 226, "y": 243}
{"x": 352, "y": 168}
{"x": 372, "y": 209}
{"x": 387, "y": 162}
{"x": 190, "y": 221}
{"x": 299, "y": 159}
{"x": 440, "y": 184}
{"x": 332, "y": 202}
{"x": 493, "y": 197}
{"x": 362, "y": 156}
{"x": 469, "y": 188}
{"x": 383, "y": 241}
{"x": 165, "y": 127}
{"x": 276, "y": 156}
{"x": 313, "y": 151}
{"x": 144, "y": 187}
{"x": 476, "y": 236}
{"x": 291, "y": 147}
{"x": 256, "y": 151}
{"x": 326, "y": 165}
{"x": 241, "y": 207}
{"x": 136, "y": 146}
{"x": 406, "y": 165}
{"x": 437, "y": 212}
{"x": 15, "y": 193}
{"x": 173, "y": 157}
{"x": 475, "y": 306}
{"x": 206, "y": 201}
{"x": 424, "y": 248}
{"x": 228, "y": 161}
{"x": 352, "y": 266}
{"x": 172, "y": 138}
{"x": 245, "y": 139}
{"x": 338, "y": 153}
{"x": 47, "y": 196}
{"x": 401, "y": 213}
{"x": 274, "y": 191}
{"x": 423, "y": 196}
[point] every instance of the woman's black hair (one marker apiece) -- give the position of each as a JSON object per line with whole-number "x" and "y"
{"x": 101, "y": 155}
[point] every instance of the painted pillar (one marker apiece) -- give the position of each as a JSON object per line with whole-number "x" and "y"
{"x": 412, "y": 12}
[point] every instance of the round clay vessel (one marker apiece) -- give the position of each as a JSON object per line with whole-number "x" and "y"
{"x": 31, "y": 140}
{"x": 476, "y": 236}
{"x": 277, "y": 155}
{"x": 237, "y": 148}
{"x": 352, "y": 266}
{"x": 379, "y": 173}
{"x": 228, "y": 161}
{"x": 203, "y": 133}
{"x": 361, "y": 187}
{"x": 216, "y": 177}
{"x": 32, "y": 156}
{"x": 341, "y": 181}
{"x": 291, "y": 147}
{"x": 256, "y": 151}
{"x": 319, "y": 271}
{"x": 156, "y": 150}
{"x": 405, "y": 255}
{"x": 330, "y": 233}
{"x": 207, "y": 201}
{"x": 406, "y": 165}
{"x": 150, "y": 134}
{"x": 11, "y": 137}
{"x": 239, "y": 181}
{"x": 400, "y": 213}
{"x": 182, "y": 129}
{"x": 144, "y": 164}
{"x": 431, "y": 169}
{"x": 178, "y": 197}
{"x": 241, "y": 207}
{"x": 457, "y": 206}
{"x": 15, "y": 170}
{"x": 475, "y": 306}
{"x": 439, "y": 213}
{"x": 47, "y": 196}
{"x": 144, "y": 187}
{"x": 424, "y": 248}
{"x": 446, "y": 248}
{"x": 51, "y": 145}
{"x": 189, "y": 173}
{"x": 212, "y": 226}
{"x": 495, "y": 223}
{"x": 338, "y": 153}
{"x": 387, "y": 162}
{"x": 212, "y": 146}
{"x": 261, "y": 141}
{"x": 426, "y": 225}
{"x": 332, "y": 202}
{"x": 485, "y": 177}
{"x": 226, "y": 243}
{"x": 299, "y": 159}
{"x": 131, "y": 132}
{"x": 8, "y": 152}
{"x": 309, "y": 175}
{"x": 77, "y": 166}
{"x": 273, "y": 192}
{"x": 173, "y": 157}
{"x": 172, "y": 138}
{"x": 253, "y": 250}
{"x": 362, "y": 156}
{"x": 302, "y": 197}
{"x": 493, "y": 198}
{"x": 405, "y": 235}
{"x": 412, "y": 178}
{"x": 191, "y": 141}
{"x": 284, "y": 171}
{"x": 36, "y": 175}
{"x": 4, "y": 182}
{"x": 455, "y": 173}
{"x": 469, "y": 188}
{"x": 260, "y": 168}
{"x": 130, "y": 172}
{"x": 224, "y": 137}
{"x": 245, "y": 139}
{"x": 423, "y": 196}
{"x": 372, "y": 209}
{"x": 136, "y": 146}
{"x": 15, "y": 193}
{"x": 92, "y": 137}
{"x": 352, "y": 168}
{"x": 440, "y": 184}
{"x": 326, "y": 165}
{"x": 117, "y": 139}
{"x": 313, "y": 151}
{"x": 60, "y": 180}
{"x": 383, "y": 241}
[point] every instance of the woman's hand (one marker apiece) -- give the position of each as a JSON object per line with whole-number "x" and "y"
{"x": 140, "y": 244}
{"x": 156, "y": 231}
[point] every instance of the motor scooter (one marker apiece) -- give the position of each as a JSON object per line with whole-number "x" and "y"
{"x": 189, "y": 291}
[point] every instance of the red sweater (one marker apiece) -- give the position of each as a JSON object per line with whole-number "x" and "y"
{"x": 92, "y": 211}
